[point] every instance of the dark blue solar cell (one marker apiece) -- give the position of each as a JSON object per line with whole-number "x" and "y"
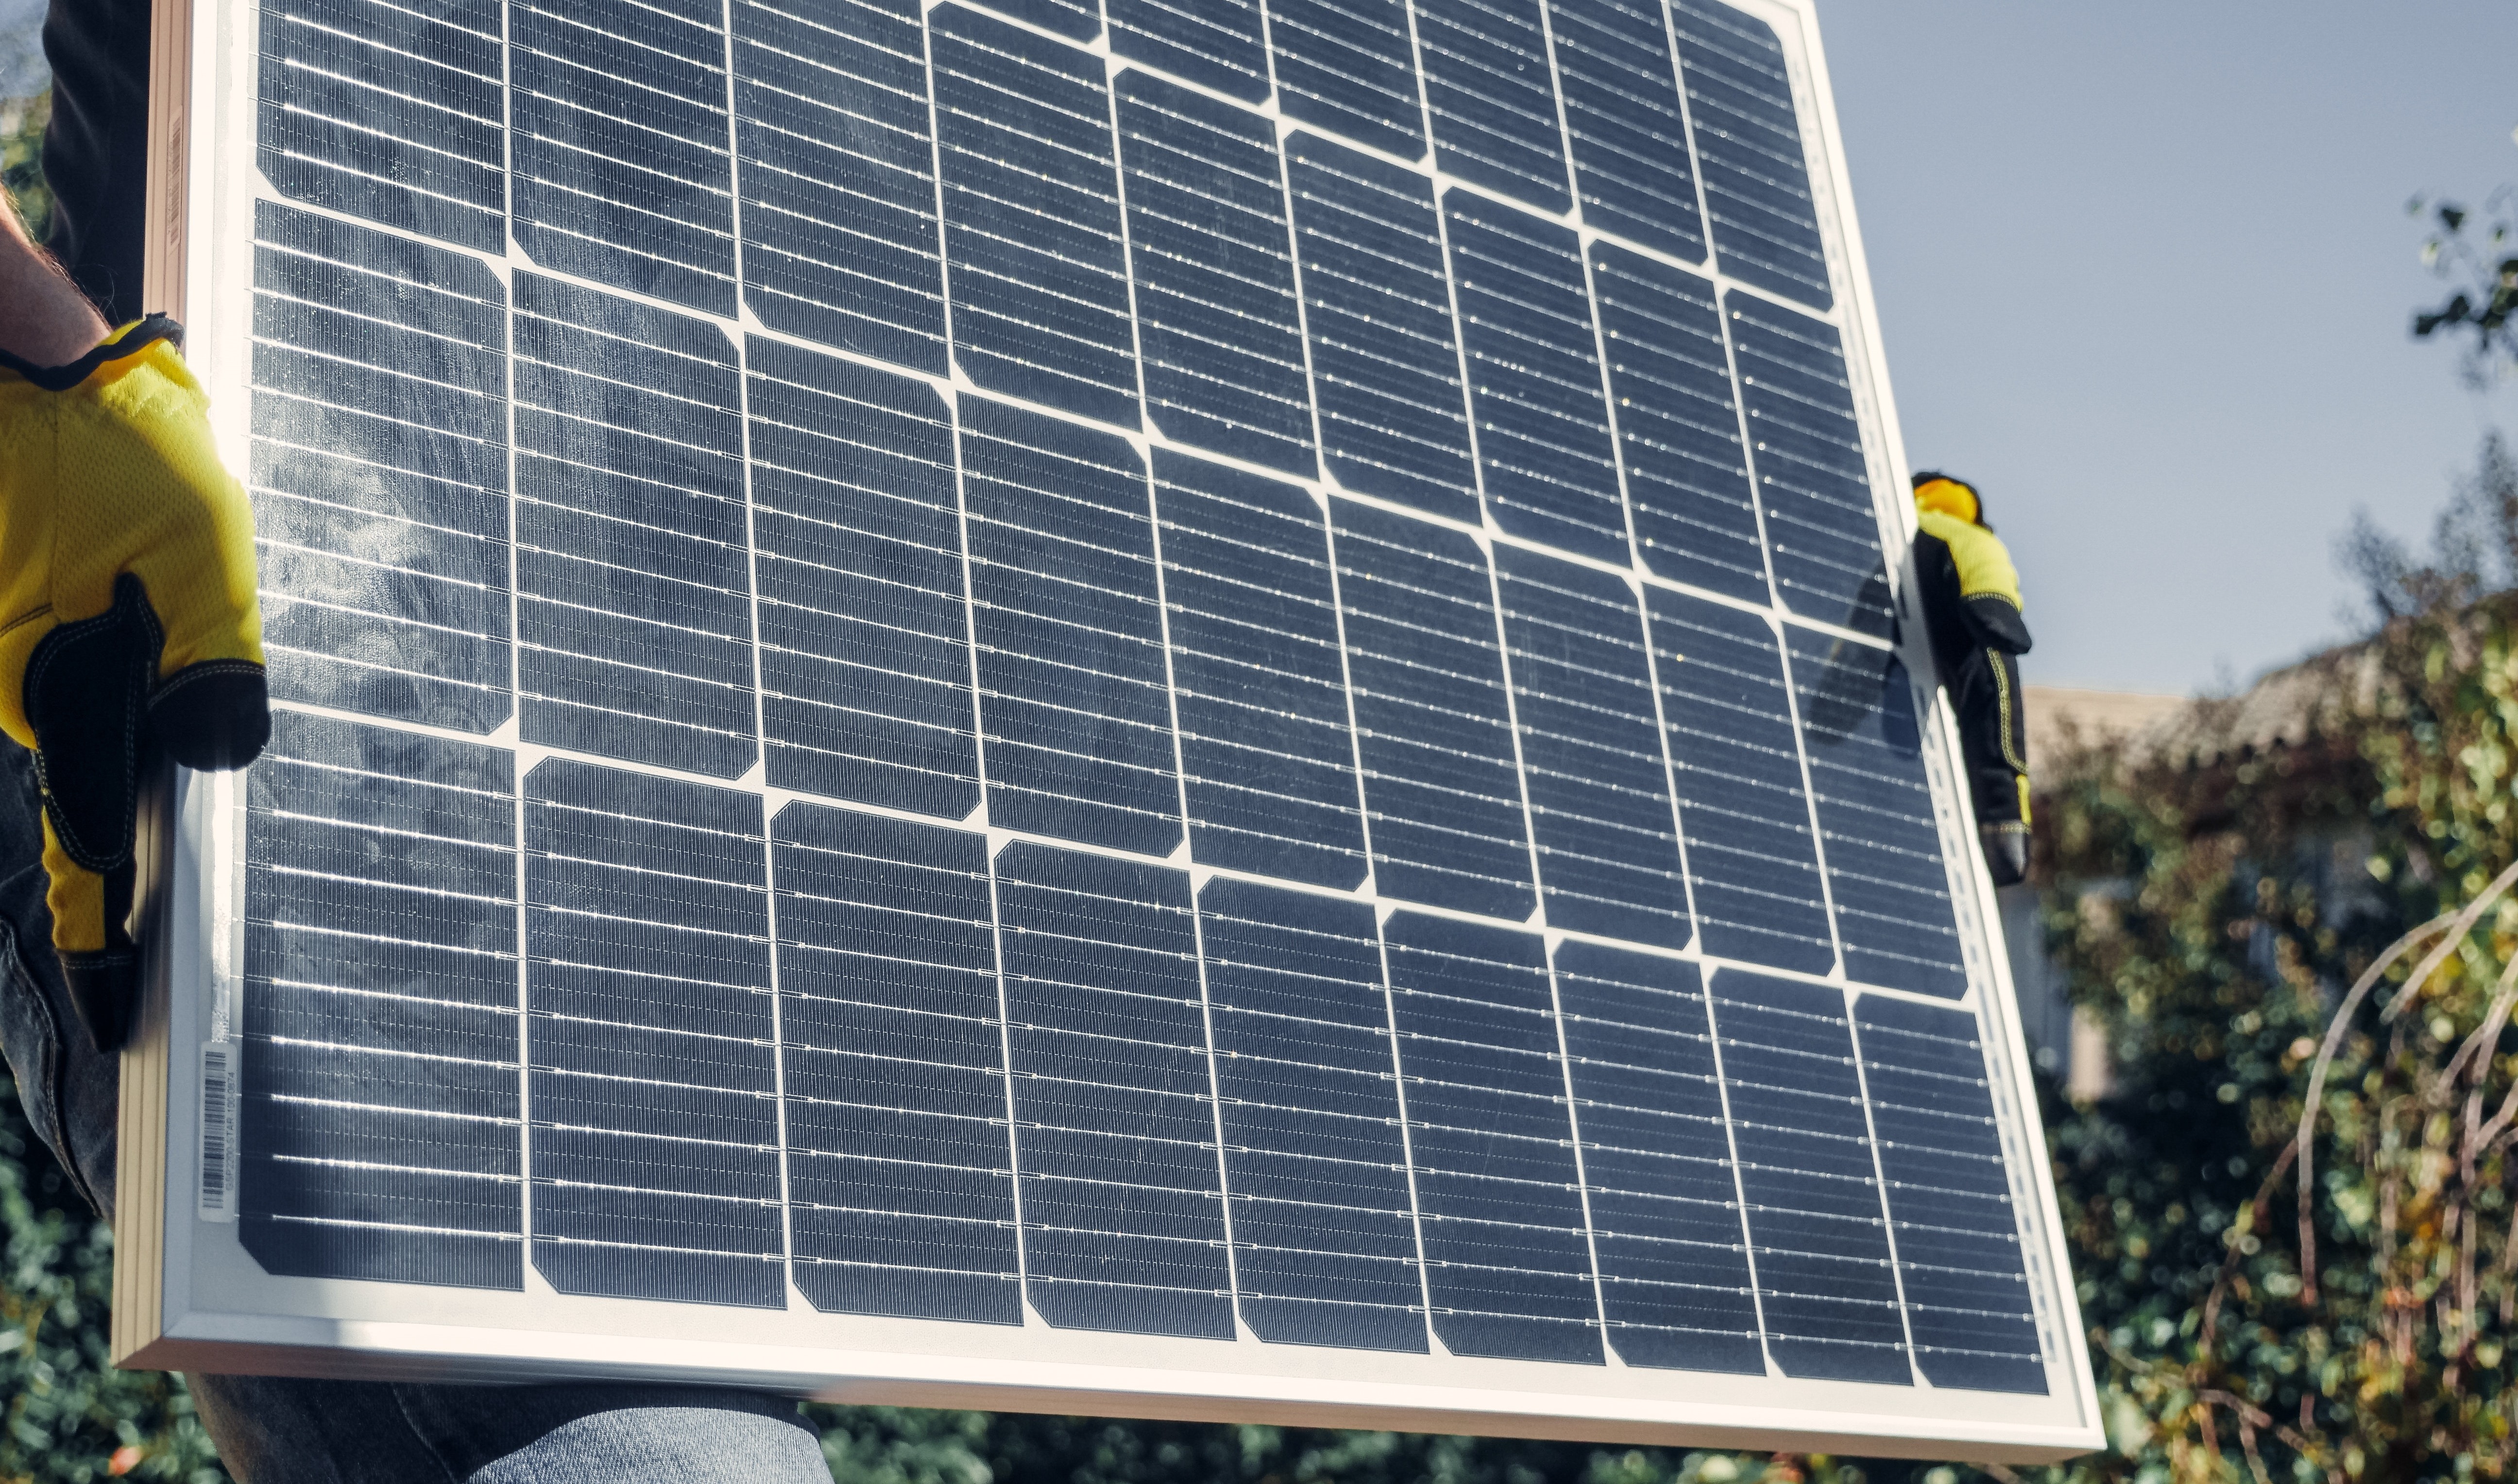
{"x": 1816, "y": 1230}
{"x": 1259, "y": 683}
{"x": 1624, "y": 122}
{"x": 1350, "y": 66}
{"x": 1678, "y": 425}
{"x": 1591, "y": 751}
{"x": 654, "y": 1081}
{"x": 1507, "y": 1255}
{"x": 1884, "y": 866}
{"x": 1749, "y": 141}
{"x": 1078, "y": 19}
{"x": 1217, "y": 321}
{"x": 1032, "y": 216}
{"x": 865, "y": 643}
{"x": 382, "y": 1073}
{"x": 1811, "y": 475}
{"x": 1442, "y": 789}
{"x": 1214, "y": 43}
{"x": 1675, "y": 1280}
{"x": 1324, "y": 1231}
{"x": 1493, "y": 102}
{"x": 388, "y": 112}
{"x": 1752, "y": 857}
{"x": 901, "y": 1179}
{"x": 618, "y": 145}
{"x": 633, "y": 579}
{"x": 379, "y": 472}
{"x": 1114, "y": 1110}
{"x": 1543, "y": 443}
{"x": 1949, "y": 1194}
{"x": 1074, "y": 702}
{"x": 838, "y": 173}
{"x": 1385, "y": 361}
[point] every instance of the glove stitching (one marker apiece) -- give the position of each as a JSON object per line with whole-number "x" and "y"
{"x": 206, "y": 669}
{"x": 22, "y": 619}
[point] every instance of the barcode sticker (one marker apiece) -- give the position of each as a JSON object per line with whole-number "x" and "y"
{"x": 218, "y": 1130}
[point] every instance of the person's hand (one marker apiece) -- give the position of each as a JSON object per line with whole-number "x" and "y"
{"x": 128, "y": 623}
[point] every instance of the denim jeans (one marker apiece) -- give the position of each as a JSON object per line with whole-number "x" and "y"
{"x": 279, "y": 1431}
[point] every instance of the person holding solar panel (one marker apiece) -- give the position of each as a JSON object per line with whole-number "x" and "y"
{"x": 1970, "y": 592}
{"x": 129, "y": 630}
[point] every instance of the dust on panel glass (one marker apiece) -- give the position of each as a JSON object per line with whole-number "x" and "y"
{"x": 653, "y": 1081}
{"x": 1215, "y": 714}
{"x": 381, "y": 1117}
{"x": 379, "y": 472}
{"x": 900, "y": 1176}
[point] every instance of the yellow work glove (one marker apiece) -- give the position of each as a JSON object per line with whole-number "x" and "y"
{"x": 128, "y": 623}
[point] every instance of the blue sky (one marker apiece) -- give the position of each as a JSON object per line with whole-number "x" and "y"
{"x": 2144, "y": 271}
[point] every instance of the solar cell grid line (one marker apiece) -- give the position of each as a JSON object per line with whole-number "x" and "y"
{"x": 864, "y": 626}
{"x": 1545, "y": 452}
{"x": 1591, "y": 751}
{"x": 1039, "y": 276}
{"x": 1324, "y": 1224}
{"x": 1258, "y": 682}
{"x": 1959, "y": 1251}
{"x": 1218, "y": 327}
{"x": 1349, "y": 67}
{"x": 652, "y": 1064}
{"x": 623, "y": 166}
{"x": 1441, "y": 786}
{"x": 899, "y": 1168}
{"x": 1688, "y": 491}
{"x": 1075, "y": 693}
{"x": 836, "y": 166}
{"x": 1385, "y": 351}
{"x": 1492, "y": 97}
{"x": 1625, "y": 125}
{"x": 1814, "y": 480}
{"x": 1113, "y": 1097}
{"x": 381, "y": 1132}
{"x": 1750, "y": 152}
{"x": 634, "y": 572}
{"x": 388, "y": 113}
{"x": 1220, "y": 44}
{"x": 1074, "y": 20}
{"x": 1887, "y": 874}
{"x": 1743, "y": 803}
{"x": 1499, "y": 1196}
{"x": 379, "y": 472}
{"x": 1675, "y": 1286}
{"x": 1826, "y": 1271}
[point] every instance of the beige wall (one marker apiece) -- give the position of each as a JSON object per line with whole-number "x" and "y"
{"x": 2097, "y": 714}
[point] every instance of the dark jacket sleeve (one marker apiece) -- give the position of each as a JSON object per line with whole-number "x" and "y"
{"x": 1997, "y": 623}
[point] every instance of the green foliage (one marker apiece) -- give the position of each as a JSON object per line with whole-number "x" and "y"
{"x": 2211, "y": 918}
{"x": 68, "y": 1418}
{"x": 2474, "y": 254}
{"x": 22, "y": 155}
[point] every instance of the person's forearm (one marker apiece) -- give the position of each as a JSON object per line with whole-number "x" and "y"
{"x": 44, "y": 318}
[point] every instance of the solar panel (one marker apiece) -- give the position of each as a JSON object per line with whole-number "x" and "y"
{"x": 1173, "y": 706}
